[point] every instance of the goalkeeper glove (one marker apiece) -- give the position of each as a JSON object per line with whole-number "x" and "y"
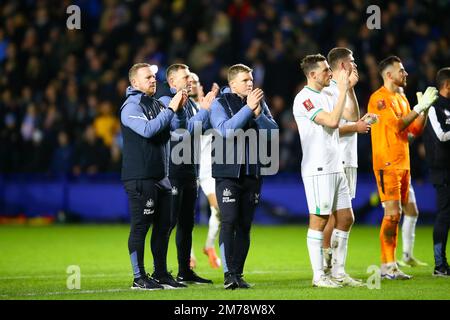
{"x": 426, "y": 100}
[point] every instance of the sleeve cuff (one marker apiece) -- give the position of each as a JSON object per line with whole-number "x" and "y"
{"x": 248, "y": 109}
{"x": 259, "y": 116}
{"x": 315, "y": 114}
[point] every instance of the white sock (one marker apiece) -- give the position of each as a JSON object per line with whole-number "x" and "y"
{"x": 213, "y": 230}
{"x": 339, "y": 252}
{"x": 327, "y": 255}
{"x": 328, "y": 252}
{"x": 314, "y": 240}
{"x": 333, "y": 241}
{"x": 408, "y": 235}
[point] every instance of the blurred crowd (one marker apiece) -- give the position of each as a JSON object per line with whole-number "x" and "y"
{"x": 61, "y": 89}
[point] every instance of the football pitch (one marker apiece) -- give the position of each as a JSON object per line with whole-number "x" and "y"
{"x": 36, "y": 264}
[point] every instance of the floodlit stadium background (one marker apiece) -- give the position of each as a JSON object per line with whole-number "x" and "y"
{"x": 60, "y": 89}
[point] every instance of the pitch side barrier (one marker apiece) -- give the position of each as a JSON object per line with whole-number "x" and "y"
{"x": 101, "y": 198}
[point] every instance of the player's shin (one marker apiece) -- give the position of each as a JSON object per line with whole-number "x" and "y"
{"x": 408, "y": 235}
{"x": 388, "y": 237}
{"x": 339, "y": 247}
{"x": 314, "y": 242}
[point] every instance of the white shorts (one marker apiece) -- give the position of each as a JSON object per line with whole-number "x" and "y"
{"x": 327, "y": 193}
{"x": 351, "y": 174}
{"x": 208, "y": 185}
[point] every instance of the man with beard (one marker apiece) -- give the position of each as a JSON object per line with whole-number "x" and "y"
{"x": 390, "y": 152}
{"x": 183, "y": 176}
{"x": 327, "y": 192}
{"x": 146, "y": 126}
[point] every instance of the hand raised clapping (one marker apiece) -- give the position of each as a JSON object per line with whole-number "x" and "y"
{"x": 254, "y": 99}
{"x": 178, "y": 100}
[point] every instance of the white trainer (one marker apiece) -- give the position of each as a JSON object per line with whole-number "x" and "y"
{"x": 392, "y": 272}
{"x": 346, "y": 281}
{"x": 325, "y": 282}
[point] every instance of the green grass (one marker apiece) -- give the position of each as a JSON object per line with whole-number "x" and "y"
{"x": 34, "y": 261}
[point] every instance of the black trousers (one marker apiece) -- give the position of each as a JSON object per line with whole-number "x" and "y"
{"x": 149, "y": 202}
{"x": 184, "y": 196}
{"x": 237, "y": 199}
{"x": 442, "y": 224}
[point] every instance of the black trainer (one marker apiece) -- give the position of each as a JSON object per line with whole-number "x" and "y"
{"x": 167, "y": 281}
{"x": 442, "y": 271}
{"x": 192, "y": 277}
{"x": 230, "y": 281}
{"x": 242, "y": 283}
{"x": 145, "y": 283}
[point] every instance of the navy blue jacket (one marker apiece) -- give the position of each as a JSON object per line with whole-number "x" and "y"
{"x": 192, "y": 115}
{"x": 146, "y": 125}
{"x": 228, "y": 113}
{"x": 437, "y": 141}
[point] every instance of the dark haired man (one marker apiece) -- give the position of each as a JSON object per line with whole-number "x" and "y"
{"x": 318, "y": 116}
{"x": 437, "y": 146}
{"x": 390, "y": 153}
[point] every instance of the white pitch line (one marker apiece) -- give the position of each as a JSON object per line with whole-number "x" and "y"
{"x": 99, "y": 275}
{"x": 113, "y": 275}
{"x": 59, "y": 276}
{"x": 63, "y": 293}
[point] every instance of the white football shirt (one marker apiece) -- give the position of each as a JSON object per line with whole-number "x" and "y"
{"x": 349, "y": 142}
{"x": 205, "y": 170}
{"x": 320, "y": 144}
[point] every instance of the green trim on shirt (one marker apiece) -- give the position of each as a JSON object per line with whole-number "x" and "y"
{"x": 315, "y": 114}
{"x": 313, "y": 90}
